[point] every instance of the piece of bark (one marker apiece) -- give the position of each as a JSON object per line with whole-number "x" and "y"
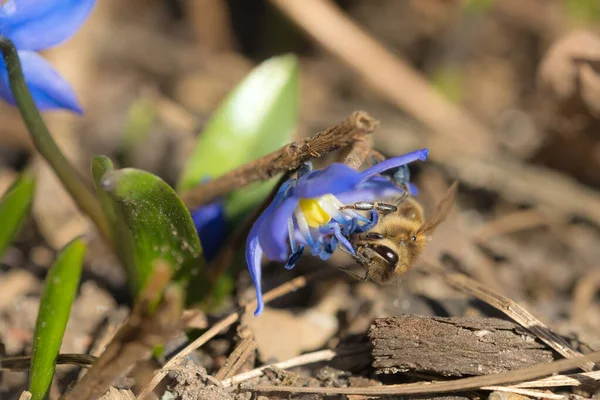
{"x": 453, "y": 346}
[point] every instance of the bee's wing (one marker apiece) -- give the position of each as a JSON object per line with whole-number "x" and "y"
{"x": 441, "y": 211}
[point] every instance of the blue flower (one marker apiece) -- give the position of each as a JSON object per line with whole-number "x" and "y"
{"x": 307, "y": 212}
{"x": 211, "y": 226}
{"x": 35, "y": 25}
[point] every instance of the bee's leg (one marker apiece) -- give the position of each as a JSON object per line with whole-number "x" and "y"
{"x": 352, "y": 273}
{"x": 384, "y": 208}
{"x": 364, "y": 262}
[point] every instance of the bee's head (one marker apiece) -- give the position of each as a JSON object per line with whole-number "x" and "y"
{"x": 387, "y": 257}
{"x": 382, "y": 260}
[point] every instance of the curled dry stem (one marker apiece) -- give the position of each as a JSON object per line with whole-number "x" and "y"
{"x": 288, "y": 158}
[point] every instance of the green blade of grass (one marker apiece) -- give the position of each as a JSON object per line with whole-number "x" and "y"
{"x": 150, "y": 222}
{"x": 60, "y": 287}
{"x": 15, "y": 206}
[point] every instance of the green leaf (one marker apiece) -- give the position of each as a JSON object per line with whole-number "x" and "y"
{"x": 149, "y": 222}
{"x": 448, "y": 80}
{"x": 582, "y": 12}
{"x": 58, "y": 294}
{"x": 258, "y": 117}
{"x": 475, "y": 7}
{"x": 15, "y": 206}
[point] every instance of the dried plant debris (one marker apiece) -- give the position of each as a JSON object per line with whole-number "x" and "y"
{"x": 453, "y": 346}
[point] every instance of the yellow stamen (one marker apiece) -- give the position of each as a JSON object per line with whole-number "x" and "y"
{"x": 314, "y": 214}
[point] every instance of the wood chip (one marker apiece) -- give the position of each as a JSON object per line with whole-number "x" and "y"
{"x": 453, "y": 346}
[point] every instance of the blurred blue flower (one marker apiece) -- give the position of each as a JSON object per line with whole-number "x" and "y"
{"x": 35, "y": 25}
{"x": 307, "y": 211}
{"x": 211, "y": 226}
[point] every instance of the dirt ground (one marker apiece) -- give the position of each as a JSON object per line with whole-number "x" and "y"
{"x": 516, "y": 84}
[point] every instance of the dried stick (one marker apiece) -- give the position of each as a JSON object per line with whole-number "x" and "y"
{"x": 358, "y": 152}
{"x": 463, "y": 384}
{"x": 272, "y": 294}
{"x": 387, "y": 73}
{"x": 288, "y": 158}
{"x": 511, "y": 309}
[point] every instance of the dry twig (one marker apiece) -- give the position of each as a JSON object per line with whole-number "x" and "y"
{"x": 288, "y": 158}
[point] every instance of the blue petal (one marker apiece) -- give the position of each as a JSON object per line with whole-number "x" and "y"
{"x": 335, "y": 178}
{"x": 395, "y": 162}
{"x": 274, "y": 231}
{"x": 211, "y": 226}
{"x": 372, "y": 189}
{"x": 253, "y": 259}
{"x": 40, "y": 24}
{"x": 254, "y": 251}
{"x": 49, "y": 90}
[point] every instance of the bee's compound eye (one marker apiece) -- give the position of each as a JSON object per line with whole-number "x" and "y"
{"x": 413, "y": 238}
{"x": 388, "y": 254}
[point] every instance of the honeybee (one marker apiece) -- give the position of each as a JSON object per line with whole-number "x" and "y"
{"x": 392, "y": 247}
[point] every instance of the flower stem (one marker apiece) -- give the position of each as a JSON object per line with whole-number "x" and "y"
{"x": 45, "y": 144}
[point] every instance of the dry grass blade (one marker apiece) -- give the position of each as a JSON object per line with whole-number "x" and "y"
{"x": 464, "y": 384}
{"x": 22, "y": 363}
{"x": 358, "y": 125}
{"x": 512, "y": 310}
{"x": 272, "y": 294}
{"x": 136, "y": 339}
